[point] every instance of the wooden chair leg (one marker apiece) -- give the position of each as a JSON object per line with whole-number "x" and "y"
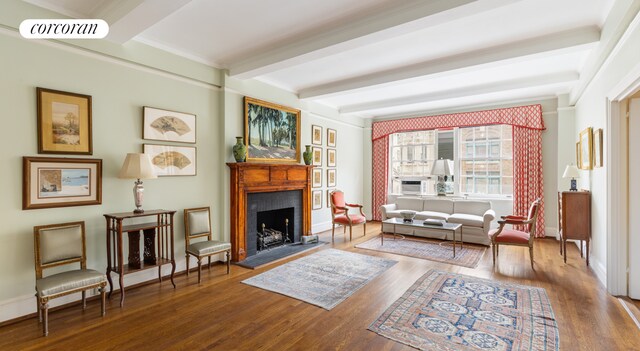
{"x": 333, "y": 231}
{"x": 187, "y": 257}
{"x": 493, "y": 252}
{"x": 497, "y": 250}
{"x": 199, "y": 268}
{"x": 364, "y": 226}
{"x": 350, "y": 232}
{"x": 228, "y": 262}
{"x": 209, "y": 263}
{"x": 45, "y": 313}
{"x": 84, "y": 300}
{"x": 39, "y": 310}
{"x": 531, "y": 255}
{"x": 103, "y": 296}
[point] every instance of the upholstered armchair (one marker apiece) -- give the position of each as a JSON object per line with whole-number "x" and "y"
{"x": 197, "y": 224}
{"x": 340, "y": 214}
{"x": 56, "y": 245}
{"x": 503, "y": 236}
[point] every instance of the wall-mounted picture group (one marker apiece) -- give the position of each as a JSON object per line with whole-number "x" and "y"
{"x": 317, "y": 160}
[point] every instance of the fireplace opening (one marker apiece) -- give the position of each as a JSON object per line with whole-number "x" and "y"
{"x": 275, "y": 228}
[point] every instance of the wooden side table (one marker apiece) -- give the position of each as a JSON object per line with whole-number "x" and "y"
{"x": 574, "y": 217}
{"x": 156, "y": 252}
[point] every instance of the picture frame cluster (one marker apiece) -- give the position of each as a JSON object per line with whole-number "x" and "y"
{"x": 330, "y": 164}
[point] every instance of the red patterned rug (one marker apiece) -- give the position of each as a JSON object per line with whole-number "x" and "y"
{"x": 428, "y": 249}
{"x": 445, "y": 311}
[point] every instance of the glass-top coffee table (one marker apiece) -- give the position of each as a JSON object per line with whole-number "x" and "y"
{"x": 453, "y": 228}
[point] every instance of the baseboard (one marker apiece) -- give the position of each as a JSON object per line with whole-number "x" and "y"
{"x": 320, "y": 227}
{"x": 551, "y": 231}
{"x": 599, "y": 269}
{"x": 21, "y": 306}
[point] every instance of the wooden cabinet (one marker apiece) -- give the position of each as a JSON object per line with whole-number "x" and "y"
{"x": 574, "y": 219}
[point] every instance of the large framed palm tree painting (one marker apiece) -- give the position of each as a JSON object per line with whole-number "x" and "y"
{"x": 271, "y": 131}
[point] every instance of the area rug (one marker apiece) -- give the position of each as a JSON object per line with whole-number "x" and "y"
{"x": 445, "y": 311}
{"x": 277, "y": 254}
{"x": 468, "y": 256}
{"x": 324, "y": 278}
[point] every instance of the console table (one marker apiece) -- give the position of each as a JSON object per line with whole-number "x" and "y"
{"x": 156, "y": 252}
{"x": 574, "y": 218}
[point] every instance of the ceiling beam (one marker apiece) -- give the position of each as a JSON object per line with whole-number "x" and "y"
{"x": 512, "y": 84}
{"x": 128, "y": 18}
{"x": 404, "y": 17}
{"x": 560, "y": 43}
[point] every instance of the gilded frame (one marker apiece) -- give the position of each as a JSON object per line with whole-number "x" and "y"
{"x": 64, "y": 122}
{"x": 44, "y": 178}
{"x": 289, "y": 118}
{"x": 586, "y": 149}
{"x": 597, "y": 148}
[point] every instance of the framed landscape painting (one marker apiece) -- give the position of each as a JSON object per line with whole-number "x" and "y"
{"x": 64, "y": 122}
{"x": 271, "y": 131}
{"x": 59, "y": 182}
{"x": 168, "y": 125}
{"x": 172, "y": 160}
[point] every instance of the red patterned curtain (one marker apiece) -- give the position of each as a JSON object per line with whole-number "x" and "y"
{"x": 527, "y": 142}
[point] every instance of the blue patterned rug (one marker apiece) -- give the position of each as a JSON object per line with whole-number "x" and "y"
{"x": 446, "y": 311}
{"x": 324, "y": 278}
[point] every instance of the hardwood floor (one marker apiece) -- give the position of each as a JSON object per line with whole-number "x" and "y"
{"x": 224, "y": 314}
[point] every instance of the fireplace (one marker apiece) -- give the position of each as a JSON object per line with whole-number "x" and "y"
{"x": 274, "y": 210}
{"x": 263, "y": 187}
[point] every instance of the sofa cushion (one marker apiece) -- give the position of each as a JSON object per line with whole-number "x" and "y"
{"x": 394, "y": 214}
{"x": 477, "y": 208}
{"x": 466, "y": 219}
{"x": 438, "y": 205}
{"x": 409, "y": 203}
{"x": 431, "y": 215}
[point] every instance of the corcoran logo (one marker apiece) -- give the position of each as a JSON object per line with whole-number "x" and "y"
{"x": 64, "y": 29}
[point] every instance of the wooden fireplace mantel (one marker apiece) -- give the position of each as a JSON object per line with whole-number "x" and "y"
{"x": 248, "y": 178}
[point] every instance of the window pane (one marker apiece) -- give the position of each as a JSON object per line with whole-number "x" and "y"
{"x": 430, "y": 137}
{"x": 507, "y": 149}
{"x": 480, "y": 133}
{"x": 418, "y": 153}
{"x": 481, "y": 150}
{"x": 480, "y": 168}
{"x": 481, "y": 185}
{"x": 405, "y": 154}
{"x": 507, "y": 185}
{"x": 431, "y": 152}
{"x": 494, "y": 149}
{"x": 507, "y": 168}
{"x": 507, "y": 132}
{"x": 466, "y": 184}
{"x": 396, "y": 154}
{"x": 466, "y": 168}
{"x": 466, "y": 150}
{"x": 494, "y": 186}
{"x": 396, "y": 186}
{"x": 493, "y": 132}
{"x": 466, "y": 134}
{"x": 493, "y": 168}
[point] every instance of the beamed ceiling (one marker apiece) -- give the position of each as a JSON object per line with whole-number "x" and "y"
{"x": 381, "y": 58}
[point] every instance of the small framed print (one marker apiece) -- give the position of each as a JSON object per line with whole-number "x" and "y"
{"x": 586, "y": 149}
{"x": 578, "y": 161}
{"x": 64, "y": 122}
{"x": 165, "y": 125}
{"x": 331, "y": 157}
{"x": 317, "y": 156}
{"x": 329, "y": 197}
{"x": 331, "y": 137}
{"x": 316, "y": 199}
{"x": 597, "y": 148}
{"x": 60, "y": 182}
{"x": 316, "y": 135}
{"x": 331, "y": 177}
{"x": 172, "y": 160}
{"x": 316, "y": 180}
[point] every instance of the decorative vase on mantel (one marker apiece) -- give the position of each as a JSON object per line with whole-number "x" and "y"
{"x": 240, "y": 150}
{"x": 307, "y": 155}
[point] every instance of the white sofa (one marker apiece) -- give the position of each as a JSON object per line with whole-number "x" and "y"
{"x": 475, "y": 217}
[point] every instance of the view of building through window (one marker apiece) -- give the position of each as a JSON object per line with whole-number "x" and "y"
{"x": 483, "y": 160}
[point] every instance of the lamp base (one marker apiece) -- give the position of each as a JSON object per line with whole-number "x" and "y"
{"x": 573, "y": 185}
{"x": 441, "y": 188}
{"x": 138, "y": 210}
{"x": 138, "y": 192}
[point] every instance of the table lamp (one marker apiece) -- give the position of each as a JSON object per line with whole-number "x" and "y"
{"x": 572, "y": 172}
{"x": 137, "y": 166}
{"x": 441, "y": 168}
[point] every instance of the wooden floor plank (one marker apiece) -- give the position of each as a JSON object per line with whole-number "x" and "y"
{"x": 224, "y": 314}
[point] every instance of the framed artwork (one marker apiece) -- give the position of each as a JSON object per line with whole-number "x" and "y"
{"x": 64, "y": 122}
{"x": 168, "y": 125}
{"x": 317, "y": 156}
{"x": 597, "y": 148}
{"x": 170, "y": 160}
{"x": 331, "y": 157}
{"x": 271, "y": 131}
{"x": 331, "y": 177}
{"x": 316, "y": 135}
{"x": 329, "y": 197}
{"x": 60, "y": 182}
{"x": 578, "y": 162}
{"x": 331, "y": 137}
{"x": 316, "y": 199}
{"x": 586, "y": 147}
{"x": 316, "y": 180}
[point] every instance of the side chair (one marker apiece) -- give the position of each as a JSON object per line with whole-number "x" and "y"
{"x": 340, "y": 214}
{"x": 503, "y": 236}
{"x": 197, "y": 224}
{"x": 56, "y": 245}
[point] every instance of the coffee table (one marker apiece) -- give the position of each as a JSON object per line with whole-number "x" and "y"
{"x": 416, "y": 223}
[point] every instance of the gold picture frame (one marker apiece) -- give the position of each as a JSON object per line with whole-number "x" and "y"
{"x": 332, "y": 135}
{"x": 597, "y": 148}
{"x": 578, "y": 163}
{"x": 64, "y": 122}
{"x": 331, "y": 157}
{"x": 586, "y": 149}
{"x": 317, "y": 156}
{"x": 316, "y": 135}
{"x": 262, "y": 121}
{"x": 331, "y": 177}
{"x": 60, "y": 182}
{"x": 316, "y": 178}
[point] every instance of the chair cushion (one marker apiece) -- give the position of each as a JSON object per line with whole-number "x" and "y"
{"x": 337, "y": 199}
{"x": 511, "y": 236}
{"x": 198, "y": 222}
{"x": 466, "y": 219}
{"x": 409, "y": 203}
{"x": 394, "y": 214}
{"x": 431, "y": 215}
{"x": 355, "y": 219}
{"x": 208, "y": 247}
{"x": 477, "y": 208}
{"x": 438, "y": 205}
{"x": 60, "y": 243}
{"x": 69, "y": 280}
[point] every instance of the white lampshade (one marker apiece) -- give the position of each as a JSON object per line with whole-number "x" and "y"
{"x": 571, "y": 172}
{"x": 137, "y": 166}
{"x": 442, "y": 167}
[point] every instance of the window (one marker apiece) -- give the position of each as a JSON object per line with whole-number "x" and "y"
{"x": 482, "y": 155}
{"x": 486, "y": 160}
